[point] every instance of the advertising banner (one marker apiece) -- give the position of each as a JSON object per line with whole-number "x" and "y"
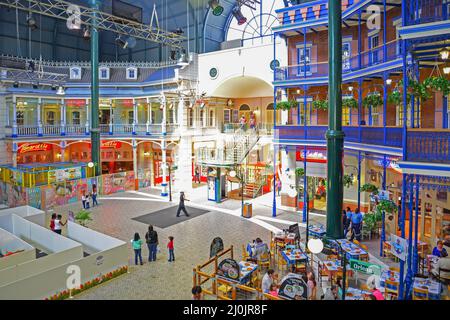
{"x": 399, "y": 247}
{"x": 365, "y": 267}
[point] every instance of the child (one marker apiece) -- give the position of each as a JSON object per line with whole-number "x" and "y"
{"x": 52, "y": 222}
{"x": 58, "y": 224}
{"x": 170, "y": 247}
{"x": 136, "y": 243}
{"x": 273, "y": 291}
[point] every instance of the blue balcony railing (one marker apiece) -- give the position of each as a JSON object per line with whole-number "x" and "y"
{"x": 373, "y": 57}
{"x": 428, "y": 145}
{"x": 426, "y": 11}
{"x": 389, "y": 136}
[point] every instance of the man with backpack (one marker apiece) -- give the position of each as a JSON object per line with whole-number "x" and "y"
{"x": 151, "y": 237}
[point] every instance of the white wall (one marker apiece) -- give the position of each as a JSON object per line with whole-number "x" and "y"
{"x": 9, "y": 242}
{"x": 246, "y": 61}
{"x": 91, "y": 238}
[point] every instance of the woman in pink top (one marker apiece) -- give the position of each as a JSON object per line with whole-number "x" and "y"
{"x": 377, "y": 293}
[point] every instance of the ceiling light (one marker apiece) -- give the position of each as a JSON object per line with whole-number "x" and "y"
{"x": 444, "y": 53}
{"x": 86, "y": 33}
{"x": 388, "y": 82}
{"x": 298, "y": 91}
{"x": 31, "y": 22}
{"x": 16, "y": 84}
{"x": 237, "y": 13}
{"x": 216, "y": 8}
{"x": 54, "y": 87}
{"x": 60, "y": 91}
{"x": 350, "y": 88}
{"x": 447, "y": 70}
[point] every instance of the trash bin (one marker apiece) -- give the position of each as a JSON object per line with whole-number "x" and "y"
{"x": 247, "y": 212}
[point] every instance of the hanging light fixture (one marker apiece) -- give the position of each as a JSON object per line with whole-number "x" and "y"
{"x": 86, "y": 33}
{"x": 216, "y": 8}
{"x": 16, "y": 84}
{"x": 31, "y": 22}
{"x": 183, "y": 60}
{"x": 60, "y": 91}
{"x": 350, "y": 88}
{"x": 122, "y": 43}
{"x": 237, "y": 13}
{"x": 35, "y": 85}
{"x": 388, "y": 81}
{"x": 446, "y": 70}
{"x": 444, "y": 53}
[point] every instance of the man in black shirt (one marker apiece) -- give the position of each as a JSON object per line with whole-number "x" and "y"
{"x": 181, "y": 206}
{"x": 151, "y": 237}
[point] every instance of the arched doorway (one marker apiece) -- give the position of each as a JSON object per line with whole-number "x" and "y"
{"x": 244, "y": 110}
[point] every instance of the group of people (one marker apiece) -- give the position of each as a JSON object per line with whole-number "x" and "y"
{"x": 252, "y": 121}
{"x": 85, "y": 199}
{"x": 352, "y": 221}
{"x": 151, "y": 239}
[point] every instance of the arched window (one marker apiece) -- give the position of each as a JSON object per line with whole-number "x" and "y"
{"x": 211, "y": 118}
{"x": 255, "y": 25}
{"x": 269, "y": 106}
{"x": 244, "y": 107}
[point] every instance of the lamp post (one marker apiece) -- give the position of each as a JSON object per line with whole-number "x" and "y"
{"x": 170, "y": 182}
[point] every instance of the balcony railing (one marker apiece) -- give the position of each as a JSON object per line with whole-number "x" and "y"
{"x": 430, "y": 145}
{"x": 388, "y": 52}
{"x": 426, "y": 11}
{"x": 81, "y": 130}
{"x": 263, "y": 128}
{"x": 363, "y": 134}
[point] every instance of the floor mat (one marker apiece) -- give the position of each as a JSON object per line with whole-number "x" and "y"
{"x": 167, "y": 217}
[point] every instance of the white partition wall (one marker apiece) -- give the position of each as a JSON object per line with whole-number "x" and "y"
{"x": 91, "y": 238}
{"x": 11, "y": 243}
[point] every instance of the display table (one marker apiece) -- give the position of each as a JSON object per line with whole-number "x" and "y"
{"x": 317, "y": 231}
{"x": 433, "y": 287}
{"x": 294, "y": 256}
{"x": 355, "y": 294}
{"x": 392, "y": 276}
{"x": 352, "y": 250}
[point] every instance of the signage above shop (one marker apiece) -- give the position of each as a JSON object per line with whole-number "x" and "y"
{"x": 33, "y": 147}
{"x": 111, "y": 144}
{"x": 75, "y": 102}
{"x": 365, "y": 267}
{"x": 312, "y": 156}
{"x": 124, "y": 102}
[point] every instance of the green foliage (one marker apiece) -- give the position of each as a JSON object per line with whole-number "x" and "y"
{"x": 438, "y": 84}
{"x": 348, "y": 180}
{"x": 299, "y": 172}
{"x": 286, "y": 105}
{"x": 373, "y": 99}
{"x": 418, "y": 90}
{"x": 387, "y": 206}
{"x": 320, "y": 104}
{"x": 368, "y": 187}
{"x": 83, "y": 216}
{"x": 351, "y": 103}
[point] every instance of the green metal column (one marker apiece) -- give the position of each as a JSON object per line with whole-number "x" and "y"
{"x": 95, "y": 131}
{"x": 334, "y": 135}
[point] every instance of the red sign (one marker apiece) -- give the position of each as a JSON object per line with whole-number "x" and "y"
{"x": 111, "y": 144}
{"x": 75, "y": 102}
{"x": 32, "y": 147}
{"x": 125, "y": 102}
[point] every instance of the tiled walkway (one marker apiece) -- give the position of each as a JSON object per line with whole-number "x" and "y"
{"x": 164, "y": 280}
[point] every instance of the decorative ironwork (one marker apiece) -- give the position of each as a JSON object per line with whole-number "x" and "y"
{"x": 249, "y": 3}
{"x": 59, "y": 9}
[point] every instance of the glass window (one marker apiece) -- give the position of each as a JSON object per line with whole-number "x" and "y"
{"x": 211, "y": 118}
{"x": 76, "y": 117}
{"x": 50, "y": 118}
{"x": 226, "y": 116}
{"x": 345, "y": 116}
{"x": 375, "y": 116}
{"x": 191, "y": 117}
{"x": 130, "y": 117}
{"x": 417, "y": 116}
{"x": 304, "y": 56}
{"x": 20, "y": 119}
{"x": 308, "y": 113}
{"x": 374, "y": 43}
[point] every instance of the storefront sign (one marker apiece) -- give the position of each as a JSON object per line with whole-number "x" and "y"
{"x": 365, "y": 267}
{"x": 124, "y": 102}
{"x": 293, "y": 288}
{"x": 33, "y": 147}
{"x": 319, "y": 156}
{"x": 75, "y": 102}
{"x": 229, "y": 268}
{"x": 111, "y": 144}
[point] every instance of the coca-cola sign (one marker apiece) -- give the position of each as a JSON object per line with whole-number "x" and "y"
{"x": 111, "y": 144}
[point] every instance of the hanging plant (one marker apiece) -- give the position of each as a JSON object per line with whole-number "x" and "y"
{"x": 438, "y": 84}
{"x": 286, "y": 105}
{"x": 348, "y": 180}
{"x": 351, "y": 103}
{"x": 372, "y": 99}
{"x": 387, "y": 206}
{"x": 418, "y": 90}
{"x": 299, "y": 172}
{"x": 368, "y": 187}
{"x": 320, "y": 104}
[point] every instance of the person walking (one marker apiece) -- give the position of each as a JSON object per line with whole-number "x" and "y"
{"x": 181, "y": 206}
{"x": 243, "y": 122}
{"x": 94, "y": 195}
{"x": 348, "y": 220}
{"x": 136, "y": 243}
{"x": 356, "y": 225}
{"x": 151, "y": 237}
{"x": 83, "y": 200}
{"x": 170, "y": 247}
{"x": 59, "y": 224}
{"x": 197, "y": 175}
{"x": 278, "y": 186}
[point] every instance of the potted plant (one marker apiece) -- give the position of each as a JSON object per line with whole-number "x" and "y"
{"x": 299, "y": 172}
{"x": 320, "y": 104}
{"x": 286, "y": 105}
{"x": 368, "y": 187}
{"x": 348, "y": 180}
{"x": 351, "y": 103}
{"x": 82, "y": 217}
{"x": 372, "y": 99}
{"x": 437, "y": 84}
